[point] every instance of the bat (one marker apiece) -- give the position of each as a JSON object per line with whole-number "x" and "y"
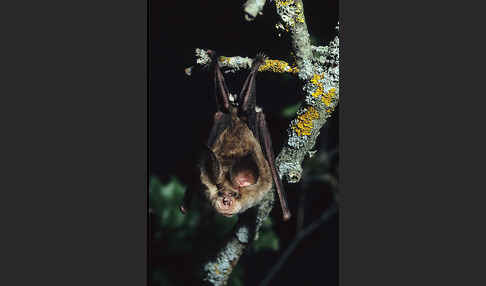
{"x": 237, "y": 166}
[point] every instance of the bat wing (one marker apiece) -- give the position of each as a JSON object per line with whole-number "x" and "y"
{"x": 256, "y": 122}
{"x": 258, "y": 125}
{"x": 222, "y": 119}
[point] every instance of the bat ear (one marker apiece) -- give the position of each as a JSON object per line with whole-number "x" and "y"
{"x": 210, "y": 164}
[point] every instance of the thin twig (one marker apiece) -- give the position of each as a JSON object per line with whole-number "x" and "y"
{"x": 300, "y": 210}
{"x": 325, "y": 216}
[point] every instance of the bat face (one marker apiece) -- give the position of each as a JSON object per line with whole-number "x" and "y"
{"x": 236, "y": 174}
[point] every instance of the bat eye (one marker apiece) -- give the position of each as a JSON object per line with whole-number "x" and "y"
{"x": 220, "y": 193}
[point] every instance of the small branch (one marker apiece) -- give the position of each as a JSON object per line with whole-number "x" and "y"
{"x": 235, "y": 64}
{"x": 300, "y": 210}
{"x": 325, "y": 216}
{"x": 252, "y": 8}
{"x": 292, "y": 20}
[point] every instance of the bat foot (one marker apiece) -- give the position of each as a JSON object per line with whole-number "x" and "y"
{"x": 259, "y": 60}
{"x": 260, "y": 57}
{"x": 286, "y": 216}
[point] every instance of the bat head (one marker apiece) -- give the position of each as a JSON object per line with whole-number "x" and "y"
{"x": 227, "y": 202}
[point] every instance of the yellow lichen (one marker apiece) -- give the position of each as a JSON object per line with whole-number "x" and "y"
{"x": 316, "y": 81}
{"x": 300, "y": 13}
{"x": 280, "y": 3}
{"x": 297, "y": 15}
{"x": 224, "y": 59}
{"x": 216, "y": 269}
{"x": 304, "y": 124}
{"x": 318, "y": 92}
{"x": 316, "y": 78}
{"x": 329, "y": 96}
{"x": 277, "y": 66}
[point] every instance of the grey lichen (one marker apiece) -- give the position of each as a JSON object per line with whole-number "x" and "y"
{"x": 228, "y": 64}
{"x": 243, "y": 234}
{"x": 203, "y": 57}
{"x": 252, "y": 8}
{"x": 321, "y": 91}
{"x": 235, "y": 64}
{"x": 218, "y": 271}
{"x": 292, "y": 20}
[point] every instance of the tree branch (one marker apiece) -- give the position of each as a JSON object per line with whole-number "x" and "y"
{"x": 235, "y": 64}
{"x": 321, "y": 94}
{"x": 292, "y": 20}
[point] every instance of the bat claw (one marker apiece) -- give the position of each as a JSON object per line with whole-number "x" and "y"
{"x": 286, "y": 216}
{"x": 261, "y": 55}
{"x": 259, "y": 59}
{"x": 183, "y": 209}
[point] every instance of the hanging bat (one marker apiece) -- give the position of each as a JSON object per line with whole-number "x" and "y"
{"x": 238, "y": 164}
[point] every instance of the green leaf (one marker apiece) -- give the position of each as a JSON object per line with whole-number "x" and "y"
{"x": 267, "y": 240}
{"x": 267, "y": 223}
{"x": 172, "y": 192}
{"x": 290, "y": 111}
{"x": 236, "y": 277}
{"x": 161, "y": 278}
{"x": 164, "y": 198}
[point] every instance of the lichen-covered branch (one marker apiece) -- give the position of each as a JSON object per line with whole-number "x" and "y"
{"x": 252, "y": 8}
{"x": 321, "y": 96}
{"x": 292, "y": 20}
{"x": 319, "y": 71}
{"x": 235, "y": 64}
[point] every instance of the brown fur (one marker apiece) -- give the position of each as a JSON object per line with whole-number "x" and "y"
{"x": 236, "y": 142}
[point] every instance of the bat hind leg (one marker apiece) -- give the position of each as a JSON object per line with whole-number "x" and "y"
{"x": 266, "y": 144}
{"x": 247, "y": 96}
